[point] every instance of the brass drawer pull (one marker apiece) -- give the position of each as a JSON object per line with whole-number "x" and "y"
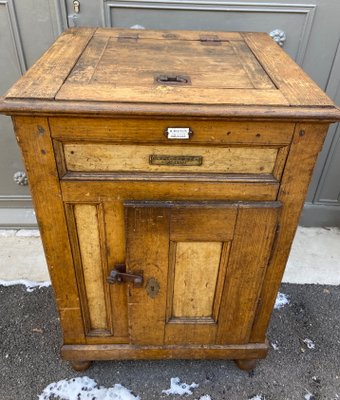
{"x": 119, "y": 275}
{"x": 162, "y": 159}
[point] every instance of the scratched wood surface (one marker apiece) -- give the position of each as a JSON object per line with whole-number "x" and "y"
{"x": 225, "y": 70}
{"x": 195, "y": 278}
{"x": 150, "y": 130}
{"x": 108, "y": 157}
{"x": 89, "y": 242}
{"x": 45, "y": 77}
{"x": 112, "y": 65}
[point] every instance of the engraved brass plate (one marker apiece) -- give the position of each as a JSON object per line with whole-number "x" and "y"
{"x": 152, "y": 287}
{"x": 160, "y": 159}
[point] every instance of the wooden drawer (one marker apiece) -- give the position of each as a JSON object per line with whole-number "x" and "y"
{"x": 124, "y": 148}
{"x": 100, "y": 157}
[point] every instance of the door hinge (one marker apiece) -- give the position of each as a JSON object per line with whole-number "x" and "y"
{"x": 210, "y": 40}
{"x": 128, "y": 37}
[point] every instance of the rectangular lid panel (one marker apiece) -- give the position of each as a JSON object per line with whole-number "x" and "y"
{"x": 227, "y": 65}
{"x": 131, "y": 66}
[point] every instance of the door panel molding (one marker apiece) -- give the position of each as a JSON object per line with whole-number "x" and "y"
{"x": 16, "y": 209}
{"x": 11, "y": 214}
{"x": 333, "y": 90}
{"x": 13, "y": 26}
{"x": 17, "y": 218}
{"x": 61, "y": 15}
{"x": 308, "y": 10}
{"x": 325, "y": 174}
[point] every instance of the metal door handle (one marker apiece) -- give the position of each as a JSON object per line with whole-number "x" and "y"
{"x": 119, "y": 275}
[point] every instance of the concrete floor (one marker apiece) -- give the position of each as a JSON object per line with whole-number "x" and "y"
{"x": 30, "y": 340}
{"x": 30, "y": 336}
{"x": 315, "y": 256}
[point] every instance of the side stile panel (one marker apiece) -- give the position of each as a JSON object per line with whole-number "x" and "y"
{"x": 306, "y": 145}
{"x": 253, "y": 238}
{"x": 34, "y": 137}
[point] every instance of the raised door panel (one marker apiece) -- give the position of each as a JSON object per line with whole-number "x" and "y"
{"x": 203, "y": 266}
{"x": 96, "y": 232}
{"x": 87, "y": 224}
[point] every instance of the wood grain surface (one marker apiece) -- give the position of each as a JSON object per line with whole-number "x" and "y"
{"x": 195, "y": 278}
{"x": 147, "y": 130}
{"x": 92, "y": 264}
{"x": 47, "y": 75}
{"x": 136, "y": 158}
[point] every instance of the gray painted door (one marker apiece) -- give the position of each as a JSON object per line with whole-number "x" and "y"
{"x": 323, "y": 202}
{"x": 308, "y": 31}
{"x": 27, "y": 28}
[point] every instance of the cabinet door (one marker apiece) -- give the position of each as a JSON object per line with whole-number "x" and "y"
{"x": 203, "y": 266}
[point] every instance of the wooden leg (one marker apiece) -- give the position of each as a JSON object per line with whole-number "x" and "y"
{"x": 247, "y": 364}
{"x": 78, "y": 365}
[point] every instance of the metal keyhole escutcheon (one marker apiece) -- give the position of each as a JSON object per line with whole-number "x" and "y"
{"x": 152, "y": 287}
{"x": 76, "y": 6}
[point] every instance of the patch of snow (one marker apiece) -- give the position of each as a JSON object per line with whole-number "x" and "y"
{"x": 137, "y": 27}
{"x": 176, "y": 387}
{"x": 281, "y": 300}
{"x": 258, "y": 397}
{"x": 309, "y": 343}
{"x": 30, "y": 285}
{"x": 275, "y": 345}
{"x": 205, "y": 397}
{"x": 85, "y": 388}
{"x": 28, "y": 233}
{"x": 309, "y": 396}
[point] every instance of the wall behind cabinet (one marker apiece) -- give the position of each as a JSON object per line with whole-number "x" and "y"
{"x": 312, "y": 31}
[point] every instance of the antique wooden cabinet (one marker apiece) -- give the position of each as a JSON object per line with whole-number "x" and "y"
{"x": 168, "y": 171}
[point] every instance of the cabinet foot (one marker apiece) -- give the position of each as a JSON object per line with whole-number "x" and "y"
{"x": 80, "y": 365}
{"x": 246, "y": 364}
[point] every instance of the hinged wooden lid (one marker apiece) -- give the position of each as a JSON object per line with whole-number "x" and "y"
{"x": 152, "y": 68}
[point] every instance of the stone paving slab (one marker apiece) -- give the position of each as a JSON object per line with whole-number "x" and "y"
{"x": 314, "y": 257}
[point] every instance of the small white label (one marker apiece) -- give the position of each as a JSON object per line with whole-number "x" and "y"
{"x": 178, "y": 133}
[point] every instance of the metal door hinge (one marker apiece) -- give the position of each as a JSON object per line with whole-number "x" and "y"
{"x": 210, "y": 40}
{"x": 128, "y": 37}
